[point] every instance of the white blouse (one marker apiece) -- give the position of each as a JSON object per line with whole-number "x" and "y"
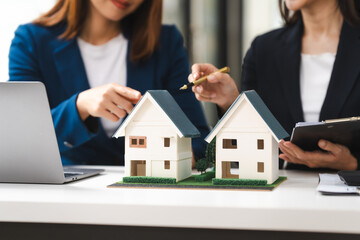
{"x": 105, "y": 64}
{"x": 315, "y": 74}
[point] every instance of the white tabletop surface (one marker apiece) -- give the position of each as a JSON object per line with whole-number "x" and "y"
{"x": 295, "y": 205}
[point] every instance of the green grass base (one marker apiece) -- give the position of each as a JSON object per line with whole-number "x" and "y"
{"x": 204, "y": 177}
{"x": 154, "y": 180}
{"x": 238, "y": 182}
{"x": 191, "y": 183}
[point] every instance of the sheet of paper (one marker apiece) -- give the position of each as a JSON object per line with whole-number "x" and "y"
{"x": 332, "y": 184}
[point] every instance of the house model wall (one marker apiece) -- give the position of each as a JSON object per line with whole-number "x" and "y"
{"x": 247, "y": 136}
{"x": 158, "y": 138}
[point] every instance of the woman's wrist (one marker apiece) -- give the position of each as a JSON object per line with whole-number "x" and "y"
{"x": 230, "y": 99}
{"x": 353, "y": 163}
{"x": 223, "y": 108}
{"x": 80, "y": 105}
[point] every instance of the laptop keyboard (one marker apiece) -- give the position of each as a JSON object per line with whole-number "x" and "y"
{"x": 71, "y": 174}
{"x": 75, "y": 173}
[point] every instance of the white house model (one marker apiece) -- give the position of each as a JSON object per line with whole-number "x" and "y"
{"x": 248, "y": 136}
{"x": 157, "y": 138}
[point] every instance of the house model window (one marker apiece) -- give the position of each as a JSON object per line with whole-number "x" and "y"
{"x": 166, "y": 142}
{"x": 260, "y": 144}
{"x": 166, "y": 164}
{"x": 137, "y": 142}
{"x": 260, "y": 167}
{"x": 229, "y": 144}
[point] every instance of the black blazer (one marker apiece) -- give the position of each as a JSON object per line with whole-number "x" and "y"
{"x": 272, "y": 67}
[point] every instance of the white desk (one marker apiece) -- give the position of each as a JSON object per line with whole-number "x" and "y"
{"x": 293, "y": 206}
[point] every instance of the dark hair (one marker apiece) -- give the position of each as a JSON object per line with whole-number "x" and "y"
{"x": 350, "y": 9}
{"x": 142, "y": 26}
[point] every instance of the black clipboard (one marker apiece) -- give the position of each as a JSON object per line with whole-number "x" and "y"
{"x": 345, "y": 131}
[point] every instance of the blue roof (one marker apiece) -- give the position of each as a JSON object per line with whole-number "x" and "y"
{"x": 174, "y": 112}
{"x": 262, "y": 110}
{"x": 266, "y": 115}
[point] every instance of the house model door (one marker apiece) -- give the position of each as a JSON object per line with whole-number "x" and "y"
{"x": 230, "y": 169}
{"x": 138, "y": 168}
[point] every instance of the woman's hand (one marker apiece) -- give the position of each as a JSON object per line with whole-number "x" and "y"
{"x": 336, "y": 156}
{"x": 111, "y": 101}
{"x": 219, "y": 88}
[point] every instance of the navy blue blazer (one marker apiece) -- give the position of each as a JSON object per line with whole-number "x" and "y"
{"x": 37, "y": 54}
{"x": 272, "y": 67}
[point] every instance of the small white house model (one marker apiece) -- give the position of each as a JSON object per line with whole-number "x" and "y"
{"x": 158, "y": 138}
{"x": 247, "y": 136}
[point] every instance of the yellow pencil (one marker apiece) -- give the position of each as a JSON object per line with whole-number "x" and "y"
{"x": 202, "y": 79}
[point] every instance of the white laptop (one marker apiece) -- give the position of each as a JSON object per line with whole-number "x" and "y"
{"x": 29, "y": 151}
